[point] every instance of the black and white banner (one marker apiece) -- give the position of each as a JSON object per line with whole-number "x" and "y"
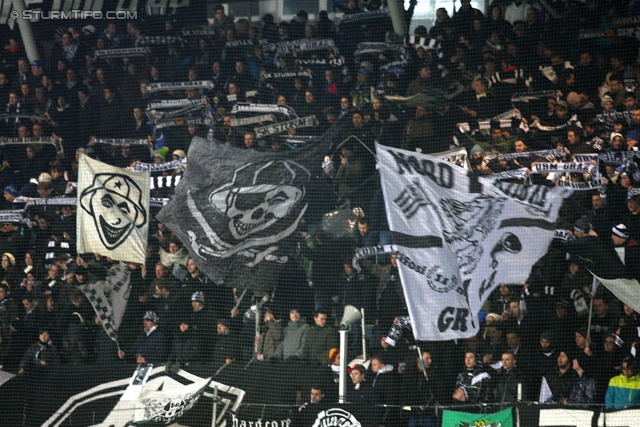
{"x": 364, "y": 48}
{"x": 200, "y": 106}
{"x": 540, "y": 153}
{"x": 56, "y": 142}
{"x": 263, "y": 109}
{"x": 336, "y": 62}
{"x": 109, "y": 298}
{"x": 132, "y": 52}
{"x": 252, "y": 120}
{"x": 362, "y": 16}
{"x": 159, "y": 167}
{"x": 286, "y": 75}
{"x": 303, "y": 45}
{"x": 460, "y": 235}
{"x": 12, "y": 216}
{"x": 164, "y": 181}
{"x": 586, "y": 167}
{"x": 175, "y": 103}
{"x": 53, "y": 201}
{"x": 572, "y": 121}
{"x": 303, "y": 122}
{"x": 521, "y": 173}
{"x": 582, "y": 185}
{"x": 612, "y": 117}
{"x": 157, "y": 40}
{"x": 113, "y": 213}
{"x": 163, "y": 407}
{"x": 533, "y": 96}
{"x": 236, "y": 209}
{"x": 609, "y": 32}
{"x": 619, "y": 157}
{"x": 199, "y": 33}
{"x": 166, "y": 123}
{"x": 200, "y": 85}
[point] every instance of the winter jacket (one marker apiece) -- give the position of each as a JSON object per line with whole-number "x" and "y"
{"x": 506, "y": 386}
{"x": 39, "y": 351}
{"x": 583, "y": 392}
{"x": 318, "y": 343}
{"x": 293, "y": 342}
{"x": 151, "y": 346}
{"x": 476, "y": 384}
{"x": 271, "y": 339}
{"x": 623, "y": 392}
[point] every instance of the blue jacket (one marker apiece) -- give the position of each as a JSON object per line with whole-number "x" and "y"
{"x": 623, "y": 392}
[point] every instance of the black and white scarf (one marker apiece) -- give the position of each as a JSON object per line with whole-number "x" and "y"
{"x": 159, "y": 167}
{"x": 285, "y": 126}
{"x": 132, "y": 52}
{"x": 199, "y": 84}
{"x": 263, "y": 109}
{"x": 362, "y": 16}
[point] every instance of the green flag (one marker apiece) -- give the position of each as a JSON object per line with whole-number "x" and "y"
{"x": 466, "y": 419}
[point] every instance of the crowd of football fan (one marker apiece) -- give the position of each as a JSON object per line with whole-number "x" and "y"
{"x": 462, "y": 70}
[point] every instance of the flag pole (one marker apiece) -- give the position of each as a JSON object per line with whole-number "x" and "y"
{"x": 594, "y": 286}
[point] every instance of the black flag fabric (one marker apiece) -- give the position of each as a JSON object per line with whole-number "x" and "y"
{"x": 237, "y": 210}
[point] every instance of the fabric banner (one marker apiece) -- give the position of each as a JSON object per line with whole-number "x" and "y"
{"x": 473, "y": 235}
{"x": 465, "y": 419}
{"x": 581, "y": 186}
{"x": 572, "y": 121}
{"x": 263, "y": 109}
{"x": 301, "y": 45}
{"x": 252, "y": 120}
{"x": 610, "y": 32}
{"x": 521, "y": 173}
{"x": 199, "y": 33}
{"x": 175, "y": 103}
{"x": 533, "y": 96}
{"x": 626, "y": 290}
{"x": 619, "y": 157}
{"x": 557, "y": 415}
{"x": 457, "y": 156}
{"x": 159, "y": 87}
{"x": 109, "y": 298}
{"x": 56, "y": 142}
{"x": 197, "y": 107}
{"x": 12, "y": 216}
{"x": 303, "y": 122}
{"x": 286, "y": 75}
{"x": 164, "y": 181}
{"x": 612, "y": 117}
{"x": 54, "y": 201}
{"x": 133, "y": 52}
{"x": 154, "y": 167}
{"x": 362, "y": 16}
{"x": 157, "y": 40}
{"x": 238, "y": 43}
{"x": 6, "y": 116}
{"x": 163, "y": 407}
{"x": 185, "y": 121}
{"x": 335, "y": 62}
{"x": 236, "y": 209}
{"x": 562, "y": 167}
{"x": 114, "y": 218}
{"x": 540, "y": 153}
{"x": 379, "y": 47}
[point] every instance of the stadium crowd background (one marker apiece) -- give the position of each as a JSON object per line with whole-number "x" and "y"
{"x": 469, "y": 72}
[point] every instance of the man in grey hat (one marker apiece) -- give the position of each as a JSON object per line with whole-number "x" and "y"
{"x": 150, "y": 347}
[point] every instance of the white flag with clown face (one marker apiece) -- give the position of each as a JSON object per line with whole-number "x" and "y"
{"x": 113, "y": 211}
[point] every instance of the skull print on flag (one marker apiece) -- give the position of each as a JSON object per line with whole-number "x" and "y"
{"x": 236, "y": 211}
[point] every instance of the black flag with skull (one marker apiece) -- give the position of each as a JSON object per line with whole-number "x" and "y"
{"x": 237, "y": 211}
